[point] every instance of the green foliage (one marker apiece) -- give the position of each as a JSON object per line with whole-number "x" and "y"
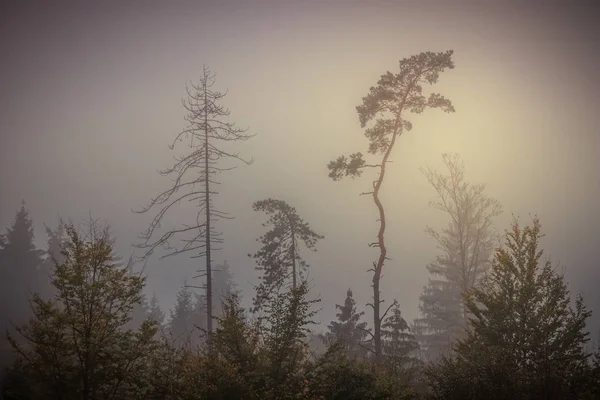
{"x": 335, "y": 376}
{"x": 284, "y": 329}
{"x": 75, "y": 344}
{"x": 383, "y": 114}
{"x": 279, "y": 258}
{"x": 348, "y": 330}
{"x": 395, "y": 93}
{"x": 525, "y": 340}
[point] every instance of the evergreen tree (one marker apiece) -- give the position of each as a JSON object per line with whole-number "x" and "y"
{"x": 279, "y": 258}
{"x": 20, "y": 273}
{"x": 55, "y": 241}
{"x": 77, "y": 346}
{"x": 141, "y": 310}
{"x": 384, "y": 112}
{"x": 466, "y": 246}
{"x": 399, "y": 343}
{"x": 156, "y": 313}
{"x": 349, "y": 330}
{"x": 181, "y": 325}
{"x": 223, "y": 286}
{"x": 198, "y": 319}
{"x": 525, "y": 340}
{"x": 284, "y": 333}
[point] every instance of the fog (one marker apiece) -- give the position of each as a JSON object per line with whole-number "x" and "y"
{"x": 91, "y": 99}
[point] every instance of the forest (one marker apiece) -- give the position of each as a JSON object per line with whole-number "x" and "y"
{"x": 496, "y": 318}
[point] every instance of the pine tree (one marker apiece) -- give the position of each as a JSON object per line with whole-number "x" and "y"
{"x": 20, "y": 274}
{"x": 466, "y": 246}
{"x": 54, "y": 256}
{"x": 223, "y": 286}
{"x": 279, "y": 258}
{"x": 156, "y": 313}
{"x": 198, "y": 319}
{"x": 385, "y": 108}
{"x": 348, "y": 330}
{"x": 284, "y": 333}
{"x": 181, "y": 326}
{"x": 398, "y": 342}
{"x": 525, "y": 340}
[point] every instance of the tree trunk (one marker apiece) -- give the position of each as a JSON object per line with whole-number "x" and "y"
{"x": 207, "y": 200}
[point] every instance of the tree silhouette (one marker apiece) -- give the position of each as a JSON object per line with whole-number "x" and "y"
{"x": 194, "y": 180}
{"x": 466, "y": 246}
{"x": 385, "y": 107}
{"x": 279, "y": 258}
{"x": 349, "y": 330}
{"x": 526, "y": 336}
{"x": 77, "y": 344}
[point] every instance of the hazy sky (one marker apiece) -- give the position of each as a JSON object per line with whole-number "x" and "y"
{"x": 91, "y": 97}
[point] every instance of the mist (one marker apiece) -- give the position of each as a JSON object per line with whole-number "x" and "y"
{"x": 92, "y": 96}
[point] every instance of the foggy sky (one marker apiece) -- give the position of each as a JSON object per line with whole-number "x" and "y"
{"x": 91, "y": 98}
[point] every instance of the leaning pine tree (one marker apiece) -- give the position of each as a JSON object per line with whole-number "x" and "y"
{"x": 385, "y": 107}
{"x": 279, "y": 258}
{"x": 194, "y": 180}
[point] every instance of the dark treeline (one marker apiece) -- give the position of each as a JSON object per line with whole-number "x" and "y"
{"x": 496, "y": 321}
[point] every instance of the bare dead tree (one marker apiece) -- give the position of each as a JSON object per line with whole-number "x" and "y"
{"x": 194, "y": 180}
{"x": 386, "y": 104}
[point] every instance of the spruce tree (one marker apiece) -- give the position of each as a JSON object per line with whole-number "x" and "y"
{"x": 156, "y": 313}
{"x": 525, "y": 338}
{"x": 349, "y": 331}
{"x": 398, "y": 341}
{"x": 181, "y": 326}
{"x": 20, "y": 274}
{"x": 466, "y": 247}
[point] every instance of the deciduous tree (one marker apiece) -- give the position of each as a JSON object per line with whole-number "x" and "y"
{"x": 77, "y": 344}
